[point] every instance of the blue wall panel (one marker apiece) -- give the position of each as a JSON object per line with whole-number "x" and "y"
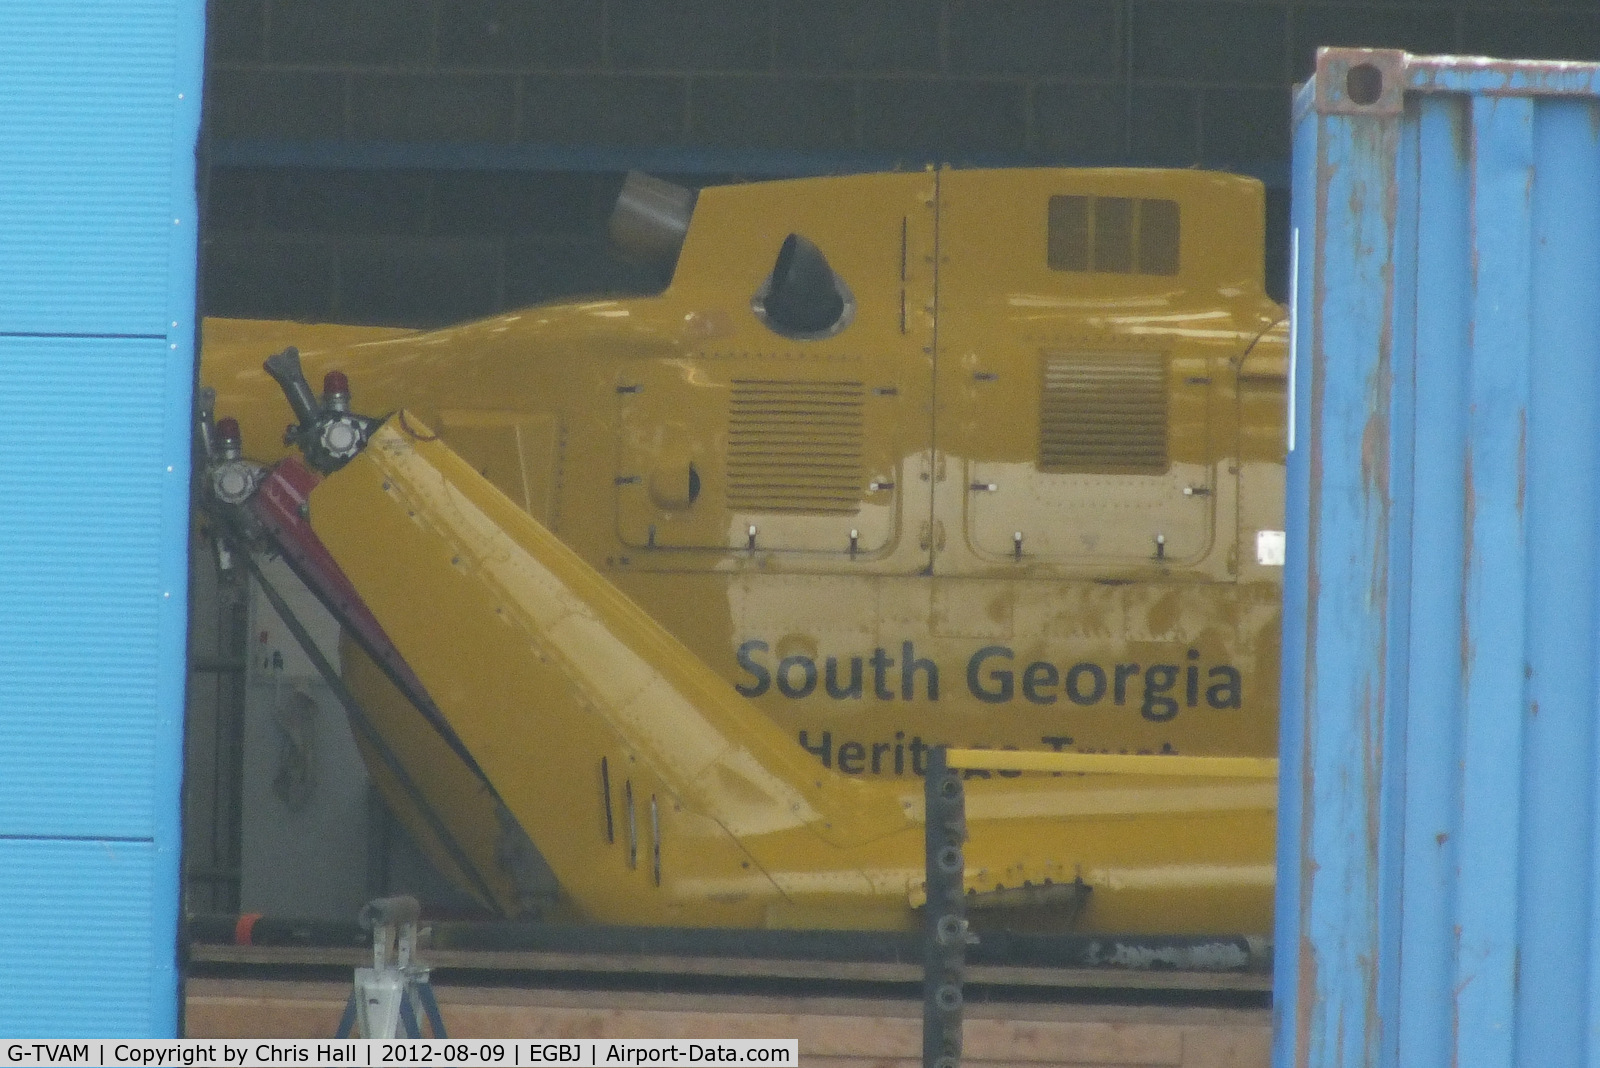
{"x": 78, "y": 913}
{"x": 84, "y": 613}
{"x": 97, "y": 325}
{"x": 1438, "y": 837}
{"x": 92, "y": 119}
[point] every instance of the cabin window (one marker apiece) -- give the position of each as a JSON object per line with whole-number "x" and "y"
{"x": 1113, "y": 235}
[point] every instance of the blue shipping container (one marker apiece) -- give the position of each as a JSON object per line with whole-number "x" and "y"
{"x": 1439, "y": 871}
{"x": 97, "y": 325}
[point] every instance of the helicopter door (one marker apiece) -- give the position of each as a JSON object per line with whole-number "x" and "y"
{"x": 1074, "y": 427}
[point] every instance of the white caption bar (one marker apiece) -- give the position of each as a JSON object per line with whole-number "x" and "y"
{"x": 314, "y": 1053}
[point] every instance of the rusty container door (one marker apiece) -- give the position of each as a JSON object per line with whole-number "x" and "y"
{"x": 1438, "y": 866}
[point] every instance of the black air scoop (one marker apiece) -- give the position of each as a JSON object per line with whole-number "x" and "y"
{"x": 804, "y": 295}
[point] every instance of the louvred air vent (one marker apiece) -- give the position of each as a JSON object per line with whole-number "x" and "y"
{"x": 795, "y": 446}
{"x": 1104, "y": 413}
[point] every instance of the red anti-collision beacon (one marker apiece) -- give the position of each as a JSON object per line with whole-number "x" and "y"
{"x": 335, "y": 392}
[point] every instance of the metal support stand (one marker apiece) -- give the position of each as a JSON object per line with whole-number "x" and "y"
{"x": 390, "y": 999}
{"x": 945, "y": 931}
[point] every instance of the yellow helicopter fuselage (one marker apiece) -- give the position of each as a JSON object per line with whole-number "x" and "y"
{"x": 1024, "y": 492}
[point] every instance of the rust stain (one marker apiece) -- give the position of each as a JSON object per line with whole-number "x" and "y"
{"x": 1375, "y": 461}
{"x": 1374, "y": 456}
{"x": 1442, "y": 837}
{"x": 1357, "y": 205}
{"x": 1373, "y": 1026}
{"x": 1371, "y": 789}
{"x": 1460, "y": 131}
{"x": 1517, "y": 77}
{"x": 1307, "y": 995}
{"x": 1455, "y": 1006}
{"x": 1375, "y": 472}
{"x": 1469, "y": 513}
{"x": 1381, "y": 391}
{"x": 1375, "y": 481}
{"x": 1372, "y": 760}
{"x": 1522, "y": 457}
{"x": 1534, "y": 708}
{"x": 1305, "y": 1000}
{"x": 1313, "y": 591}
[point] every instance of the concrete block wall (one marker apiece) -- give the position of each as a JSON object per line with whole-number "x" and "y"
{"x": 410, "y": 247}
{"x": 842, "y": 83}
{"x": 835, "y": 84}
{"x": 1158, "y": 81}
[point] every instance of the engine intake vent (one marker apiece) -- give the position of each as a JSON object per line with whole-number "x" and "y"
{"x": 795, "y": 446}
{"x": 1104, "y": 413}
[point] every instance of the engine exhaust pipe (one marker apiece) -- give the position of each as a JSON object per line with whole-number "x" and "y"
{"x": 651, "y": 218}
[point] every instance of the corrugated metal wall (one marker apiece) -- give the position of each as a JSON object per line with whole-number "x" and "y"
{"x": 97, "y": 252}
{"x": 1438, "y": 854}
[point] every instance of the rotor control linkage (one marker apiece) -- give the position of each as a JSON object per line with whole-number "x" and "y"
{"x": 328, "y": 433}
